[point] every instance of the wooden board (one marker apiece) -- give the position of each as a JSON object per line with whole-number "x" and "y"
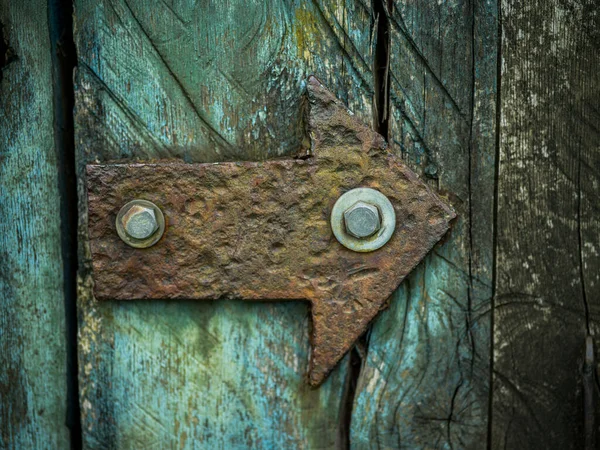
{"x": 211, "y": 81}
{"x": 33, "y": 361}
{"x": 547, "y": 264}
{"x": 425, "y": 379}
{"x": 224, "y": 81}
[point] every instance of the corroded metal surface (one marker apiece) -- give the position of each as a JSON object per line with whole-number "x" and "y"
{"x": 260, "y": 231}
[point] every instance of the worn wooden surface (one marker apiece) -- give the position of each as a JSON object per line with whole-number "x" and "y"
{"x": 547, "y": 267}
{"x": 168, "y": 80}
{"x": 425, "y": 379}
{"x": 33, "y": 405}
{"x": 208, "y": 81}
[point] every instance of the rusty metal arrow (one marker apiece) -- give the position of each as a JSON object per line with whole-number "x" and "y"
{"x": 261, "y": 231}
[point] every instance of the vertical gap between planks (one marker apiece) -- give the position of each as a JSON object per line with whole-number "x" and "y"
{"x": 381, "y": 77}
{"x": 348, "y": 396}
{"x": 7, "y": 55}
{"x": 60, "y": 23}
{"x": 495, "y": 223}
{"x": 381, "y": 64}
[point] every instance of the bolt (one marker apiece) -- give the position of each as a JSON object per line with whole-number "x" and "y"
{"x": 362, "y": 220}
{"x": 139, "y": 222}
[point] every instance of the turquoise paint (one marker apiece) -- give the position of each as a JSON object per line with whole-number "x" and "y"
{"x": 32, "y": 317}
{"x": 227, "y": 374}
{"x": 223, "y": 374}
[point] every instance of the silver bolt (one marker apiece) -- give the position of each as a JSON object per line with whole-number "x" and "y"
{"x": 362, "y": 220}
{"x": 139, "y": 222}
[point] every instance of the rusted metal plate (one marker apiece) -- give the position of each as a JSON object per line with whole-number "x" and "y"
{"x": 261, "y": 231}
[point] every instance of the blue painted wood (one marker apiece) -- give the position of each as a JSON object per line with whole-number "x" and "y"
{"x": 425, "y": 378}
{"x": 207, "y": 81}
{"x": 33, "y": 364}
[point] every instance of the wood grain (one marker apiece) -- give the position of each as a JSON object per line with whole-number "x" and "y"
{"x": 547, "y": 280}
{"x": 33, "y": 406}
{"x": 224, "y": 81}
{"x": 207, "y": 81}
{"x": 425, "y": 379}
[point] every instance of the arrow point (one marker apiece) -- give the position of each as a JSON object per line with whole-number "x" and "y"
{"x": 343, "y": 144}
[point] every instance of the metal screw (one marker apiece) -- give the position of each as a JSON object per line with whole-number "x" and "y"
{"x": 140, "y": 222}
{"x": 362, "y": 220}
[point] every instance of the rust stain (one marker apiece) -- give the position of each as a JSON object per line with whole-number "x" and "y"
{"x": 260, "y": 230}
{"x": 305, "y": 32}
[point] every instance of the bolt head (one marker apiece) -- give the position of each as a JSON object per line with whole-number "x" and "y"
{"x": 362, "y": 220}
{"x": 139, "y": 222}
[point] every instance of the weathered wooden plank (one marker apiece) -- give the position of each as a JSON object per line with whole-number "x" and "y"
{"x": 547, "y": 258}
{"x": 425, "y": 379}
{"x": 33, "y": 391}
{"x": 207, "y": 81}
{"x": 585, "y": 130}
{"x": 218, "y": 81}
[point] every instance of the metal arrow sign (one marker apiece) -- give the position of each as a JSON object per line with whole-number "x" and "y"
{"x": 269, "y": 230}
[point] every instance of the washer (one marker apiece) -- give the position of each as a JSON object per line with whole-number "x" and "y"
{"x": 373, "y": 197}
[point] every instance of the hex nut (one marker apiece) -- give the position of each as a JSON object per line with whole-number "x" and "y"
{"x": 362, "y": 220}
{"x": 140, "y": 223}
{"x": 376, "y": 210}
